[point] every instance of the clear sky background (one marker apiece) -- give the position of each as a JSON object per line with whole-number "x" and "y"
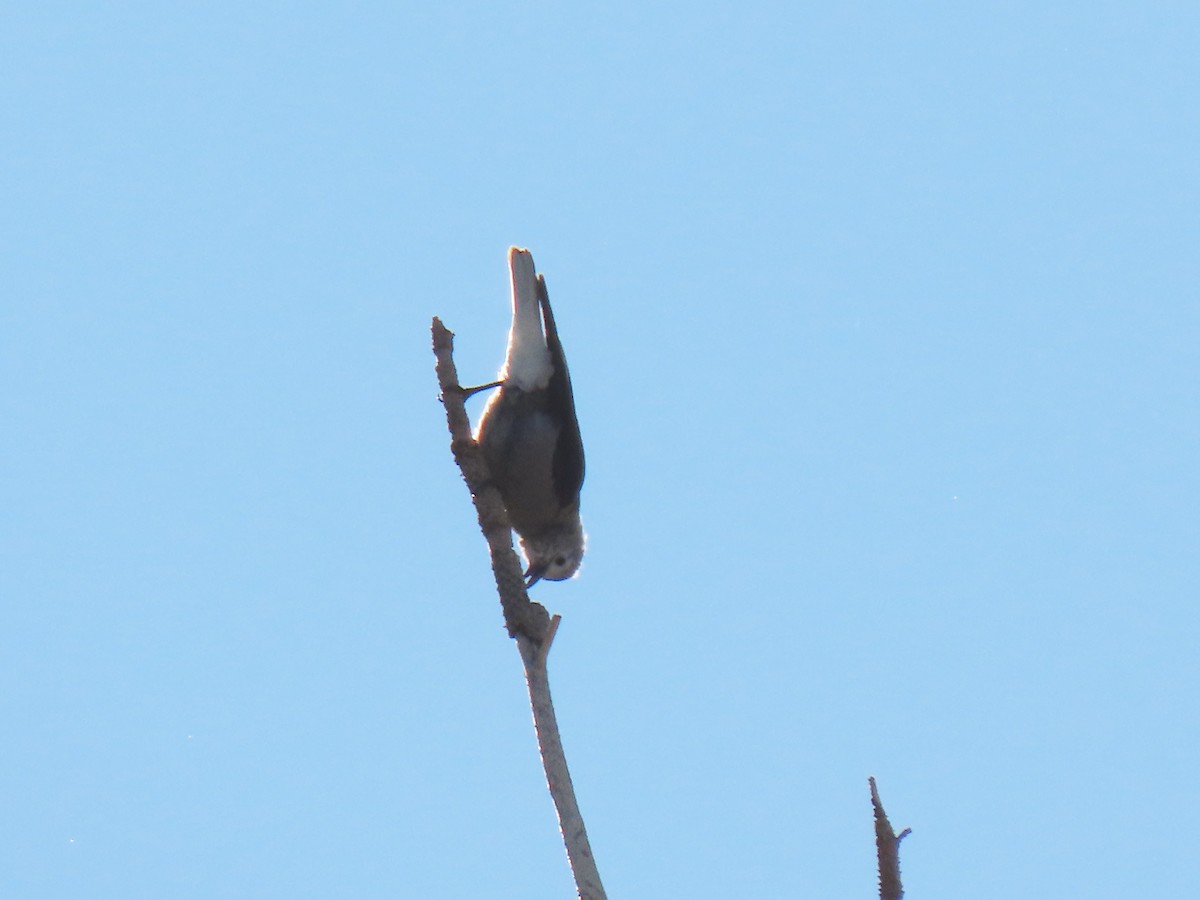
{"x": 883, "y": 321}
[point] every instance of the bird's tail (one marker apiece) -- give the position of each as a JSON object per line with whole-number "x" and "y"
{"x": 527, "y": 364}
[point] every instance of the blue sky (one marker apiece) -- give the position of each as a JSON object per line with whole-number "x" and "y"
{"x": 883, "y": 325}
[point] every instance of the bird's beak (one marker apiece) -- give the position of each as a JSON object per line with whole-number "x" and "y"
{"x": 534, "y": 574}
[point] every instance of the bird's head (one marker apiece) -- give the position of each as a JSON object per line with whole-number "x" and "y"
{"x": 554, "y": 555}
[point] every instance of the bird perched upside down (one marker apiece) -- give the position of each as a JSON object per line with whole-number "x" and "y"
{"x": 530, "y": 436}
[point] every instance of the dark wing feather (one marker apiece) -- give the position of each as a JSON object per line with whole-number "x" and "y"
{"x": 568, "y": 453}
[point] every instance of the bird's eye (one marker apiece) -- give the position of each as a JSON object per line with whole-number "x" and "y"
{"x": 561, "y": 561}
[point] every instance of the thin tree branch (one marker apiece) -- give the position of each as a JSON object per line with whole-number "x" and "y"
{"x": 526, "y": 621}
{"x": 887, "y": 845}
{"x": 558, "y": 776}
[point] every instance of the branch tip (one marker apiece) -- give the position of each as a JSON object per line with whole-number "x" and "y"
{"x": 548, "y": 639}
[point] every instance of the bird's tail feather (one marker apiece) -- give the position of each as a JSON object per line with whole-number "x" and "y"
{"x": 527, "y": 364}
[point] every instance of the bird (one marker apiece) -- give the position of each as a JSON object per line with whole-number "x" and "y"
{"x": 529, "y": 433}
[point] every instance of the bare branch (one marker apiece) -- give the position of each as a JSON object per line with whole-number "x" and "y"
{"x": 558, "y": 776}
{"x": 526, "y": 621}
{"x": 887, "y": 845}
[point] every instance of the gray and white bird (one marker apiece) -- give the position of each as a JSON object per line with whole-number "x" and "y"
{"x": 530, "y": 436}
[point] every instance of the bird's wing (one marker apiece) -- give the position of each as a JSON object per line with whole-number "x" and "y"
{"x": 568, "y": 453}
